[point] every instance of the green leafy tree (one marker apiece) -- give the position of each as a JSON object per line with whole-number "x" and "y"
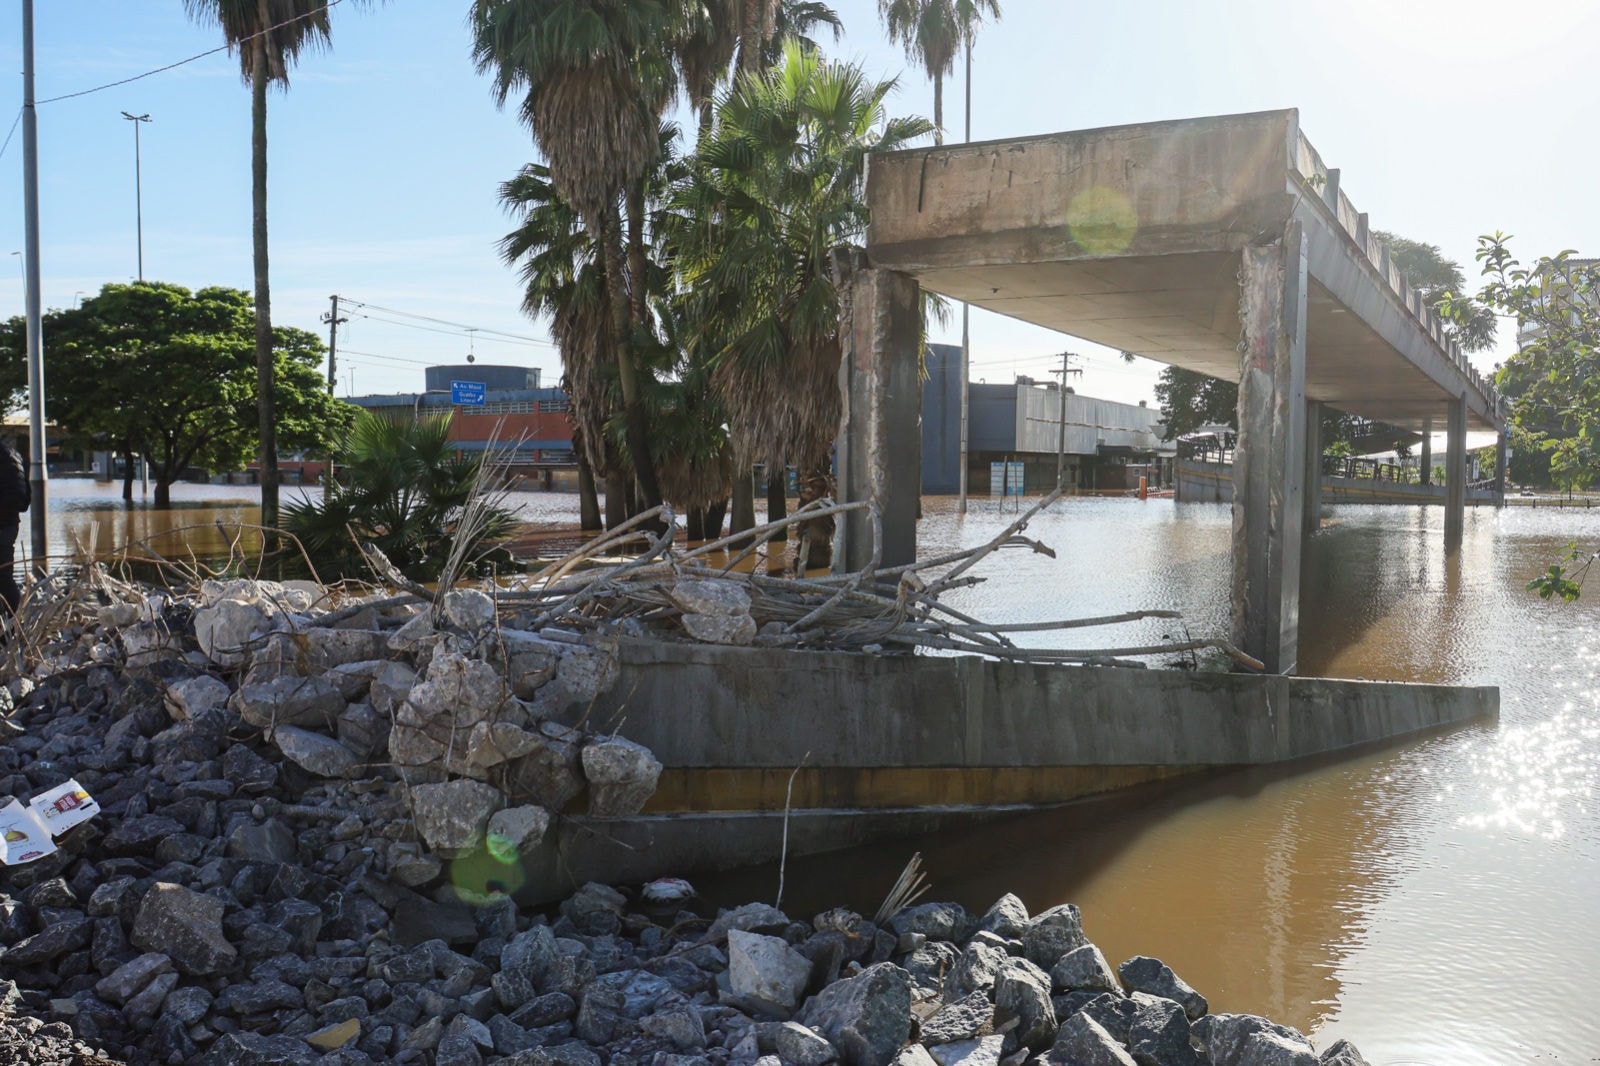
{"x": 154, "y": 370}
{"x": 405, "y": 489}
{"x": 933, "y": 32}
{"x": 1472, "y": 325}
{"x": 268, "y": 36}
{"x": 1553, "y": 381}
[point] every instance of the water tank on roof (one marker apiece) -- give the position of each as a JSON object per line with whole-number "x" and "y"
{"x": 489, "y": 375}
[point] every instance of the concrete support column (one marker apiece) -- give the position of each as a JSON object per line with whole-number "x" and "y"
{"x": 879, "y": 454}
{"x": 1502, "y": 455}
{"x": 1455, "y": 473}
{"x": 1312, "y": 490}
{"x": 1427, "y": 451}
{"x": 1269, "y": 460}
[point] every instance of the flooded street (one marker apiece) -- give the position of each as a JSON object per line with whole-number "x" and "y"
{"x": 1435, "y": 902}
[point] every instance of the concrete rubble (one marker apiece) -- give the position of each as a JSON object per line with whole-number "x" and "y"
{"x": 309, "y": 823}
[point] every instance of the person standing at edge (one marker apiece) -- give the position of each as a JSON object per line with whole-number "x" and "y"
{"x": 15, "y": 496}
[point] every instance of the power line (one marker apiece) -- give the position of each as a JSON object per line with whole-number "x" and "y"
{"x": 191, "y": 59}
{"x": 9, "y": 132}
{"x": 462, "y": 326}
{"x": 463, "y": 331}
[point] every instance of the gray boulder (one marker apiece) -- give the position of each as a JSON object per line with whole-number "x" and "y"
{"x": 525, "y": 659}
{"x": 452, "y": 816}
{"x": 1158, "y": 1034}
{"x": 549, "y": 776}
{"x": 984, "y": 1051}
{"x": 1082, "y": 1041}
{"x": 390, "y": 684}
{"x": 962, "y": 1019}
{"x": 976, "y": 970}
{"x": 622, "y": 776}
{"x": 1248, "y": 1040}
{"x": 800, "y": 1046}
{"x": 1022, "y": 989}
{"x": 229, "y": 628}
{"x": 288, "y": 700}
{"x": 1008, "y": 917}
{"x": 1052, "y": 934}
{"x": 461, "y": 690}
{"x": 766, "y": 972}
{"x": 866, "y": 1017}
{"x": 187, "y": 927}
{"x": 516, "y": 831}
{"x": 1341, "y": 1053}
{"x": 131, "y": 977}
{"x": 1084, "y": 969}
{"x": 469, "y": 609}
{"x": 194, "y": 696}
{"x": 314, "y": 752}
{"x": 936, "y": 921}
{"x": 1144, "y": 974}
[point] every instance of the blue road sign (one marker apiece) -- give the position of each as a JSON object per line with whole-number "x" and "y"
{"x": 467, "y": 392}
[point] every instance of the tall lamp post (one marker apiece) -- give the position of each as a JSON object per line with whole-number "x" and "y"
{"x": 138, "y": 191}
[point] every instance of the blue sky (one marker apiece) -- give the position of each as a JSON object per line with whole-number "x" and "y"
{"x": 1448, "y": 118}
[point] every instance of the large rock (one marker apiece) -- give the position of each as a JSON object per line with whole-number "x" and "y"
{"x": 252, "y": 1049}
{"x": 469, "y": 609}
{"x": 983, "y": 1051}
{"x": 321, "y": 755}
{"x": 492, "y": 743}
{"x": 515, "y": 831}
{"x": 526, "y": 660}
{"x": 390, "y": 684}
{"x": 465, "y": 691}
{"x": 229, "y": 629}
{"x": 185, "y": 926}
{"x": 867, "y": 1017}
{"x": 303, "y": 701}
{"x": 1052, "y": 934}
{"x": 1144, "y": 974}
{"x": 962, "y": 1019}
{"x": 622, "y": 776}
{"x": 452, "y": 816}
{"x": 194, "y": 696}
{"x": 1082, "y": 1041}
{"x": 1247, "y": 1040}
{"x": 1022, "y": 989}
{"x": 129, "y": 979}
{"x": 1008, "y": 918}
{"x": 1341, "y": 1053}
{"x": 321, "y": 649}
{"x": 1158, "y": 1034}
{"x": 766, "y": 972}
{"x": 976, "y": 969}
{"x": 549, "y": 776}
{"x": 1084, "y": 969}
{"x": 583, "y": 672}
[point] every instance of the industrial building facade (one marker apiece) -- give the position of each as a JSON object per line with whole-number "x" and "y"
{"x": 1015, "y": 430}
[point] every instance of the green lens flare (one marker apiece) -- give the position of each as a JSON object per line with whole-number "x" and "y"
{"x": 1102, "y": 220}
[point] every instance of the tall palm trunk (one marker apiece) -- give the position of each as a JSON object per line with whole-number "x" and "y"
{"x": 938, "y": 109}
{"x": 266, "y": 405}
{"x": 777, "y": 496}
{"x": 635, "y": 428}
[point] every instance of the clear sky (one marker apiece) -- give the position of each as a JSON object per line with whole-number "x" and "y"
{"x": 1448, "y": 118}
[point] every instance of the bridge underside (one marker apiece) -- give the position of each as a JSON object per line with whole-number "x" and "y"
{"x": 1222, "y": 245}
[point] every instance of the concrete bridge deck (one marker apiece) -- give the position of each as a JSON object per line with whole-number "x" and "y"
{"x": 1223, "y": 245}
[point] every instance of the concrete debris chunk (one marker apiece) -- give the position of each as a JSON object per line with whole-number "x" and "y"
{"x": 622, "y": 776}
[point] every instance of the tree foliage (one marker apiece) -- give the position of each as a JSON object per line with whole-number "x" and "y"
{"x": 932, "y": 32}
{"x": 1427, "y": 270}
{"x": 155, "y": 370}
{"x": 405, "y": 489}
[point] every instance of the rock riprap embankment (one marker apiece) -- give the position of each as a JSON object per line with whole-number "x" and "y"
{"x": 305, "y": 818}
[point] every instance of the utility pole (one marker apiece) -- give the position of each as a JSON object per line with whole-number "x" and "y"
{"x": 334, "y": 322}
{"x": 966, "y": 334}
{"x": 1061, "y": 430}
{"x": 138, "y": 186}
{"x": 38, "y": 471}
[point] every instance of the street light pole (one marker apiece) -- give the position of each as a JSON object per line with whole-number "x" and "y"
{"x": 138, "y": 190}
{"x": 38, "y": 470}
{"x": 966, "y": 332}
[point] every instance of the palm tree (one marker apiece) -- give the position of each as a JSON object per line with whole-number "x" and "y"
{"x": 269, "y": 36}
{"x": 933, "y": 33}
{"x": 776, "y": 189}
{"x": 594, "y": 77}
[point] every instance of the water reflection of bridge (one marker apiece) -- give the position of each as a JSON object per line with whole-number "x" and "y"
{"x": 1222, "y": 245}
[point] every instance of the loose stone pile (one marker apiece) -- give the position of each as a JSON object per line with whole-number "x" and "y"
{"x": 269, "y": 880}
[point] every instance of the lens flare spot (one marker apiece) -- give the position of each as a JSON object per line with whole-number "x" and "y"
{"x": 1102, "y": 220}
{"x": 493, "y": 870}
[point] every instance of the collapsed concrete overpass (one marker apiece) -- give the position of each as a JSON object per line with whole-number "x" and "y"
{"x": 1223, "y": 245}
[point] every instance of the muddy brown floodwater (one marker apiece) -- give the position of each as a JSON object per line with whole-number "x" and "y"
{"x": 1436, "y": 902}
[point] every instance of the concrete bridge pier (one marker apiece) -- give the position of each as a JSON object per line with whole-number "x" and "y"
{"x": 1313, "y": 477}
{"x": 1502, "y": 455}
{"x": 1269, "y": 509}
{"x": 1455, "y": 474}
{"x": 1426, "y": 459}
{"x": 881, "y": 389}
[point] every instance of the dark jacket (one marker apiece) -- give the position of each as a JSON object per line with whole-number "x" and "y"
{"x": 15, "y": 492}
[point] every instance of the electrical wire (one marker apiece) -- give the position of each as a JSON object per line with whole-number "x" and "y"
{"x": 172, "y": 66}
{"x": 446, "y": 322}
{"x": 463, "y": 331}
{"x": 9, "y": 132}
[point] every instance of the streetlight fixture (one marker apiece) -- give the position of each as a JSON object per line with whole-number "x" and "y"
{"x": 138, "y": 191}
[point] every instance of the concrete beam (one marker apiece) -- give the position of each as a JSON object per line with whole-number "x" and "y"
{"x": 1269, "y": 463}
{"x": 880, "y": 383}
{"x": 1455, "y": 473}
